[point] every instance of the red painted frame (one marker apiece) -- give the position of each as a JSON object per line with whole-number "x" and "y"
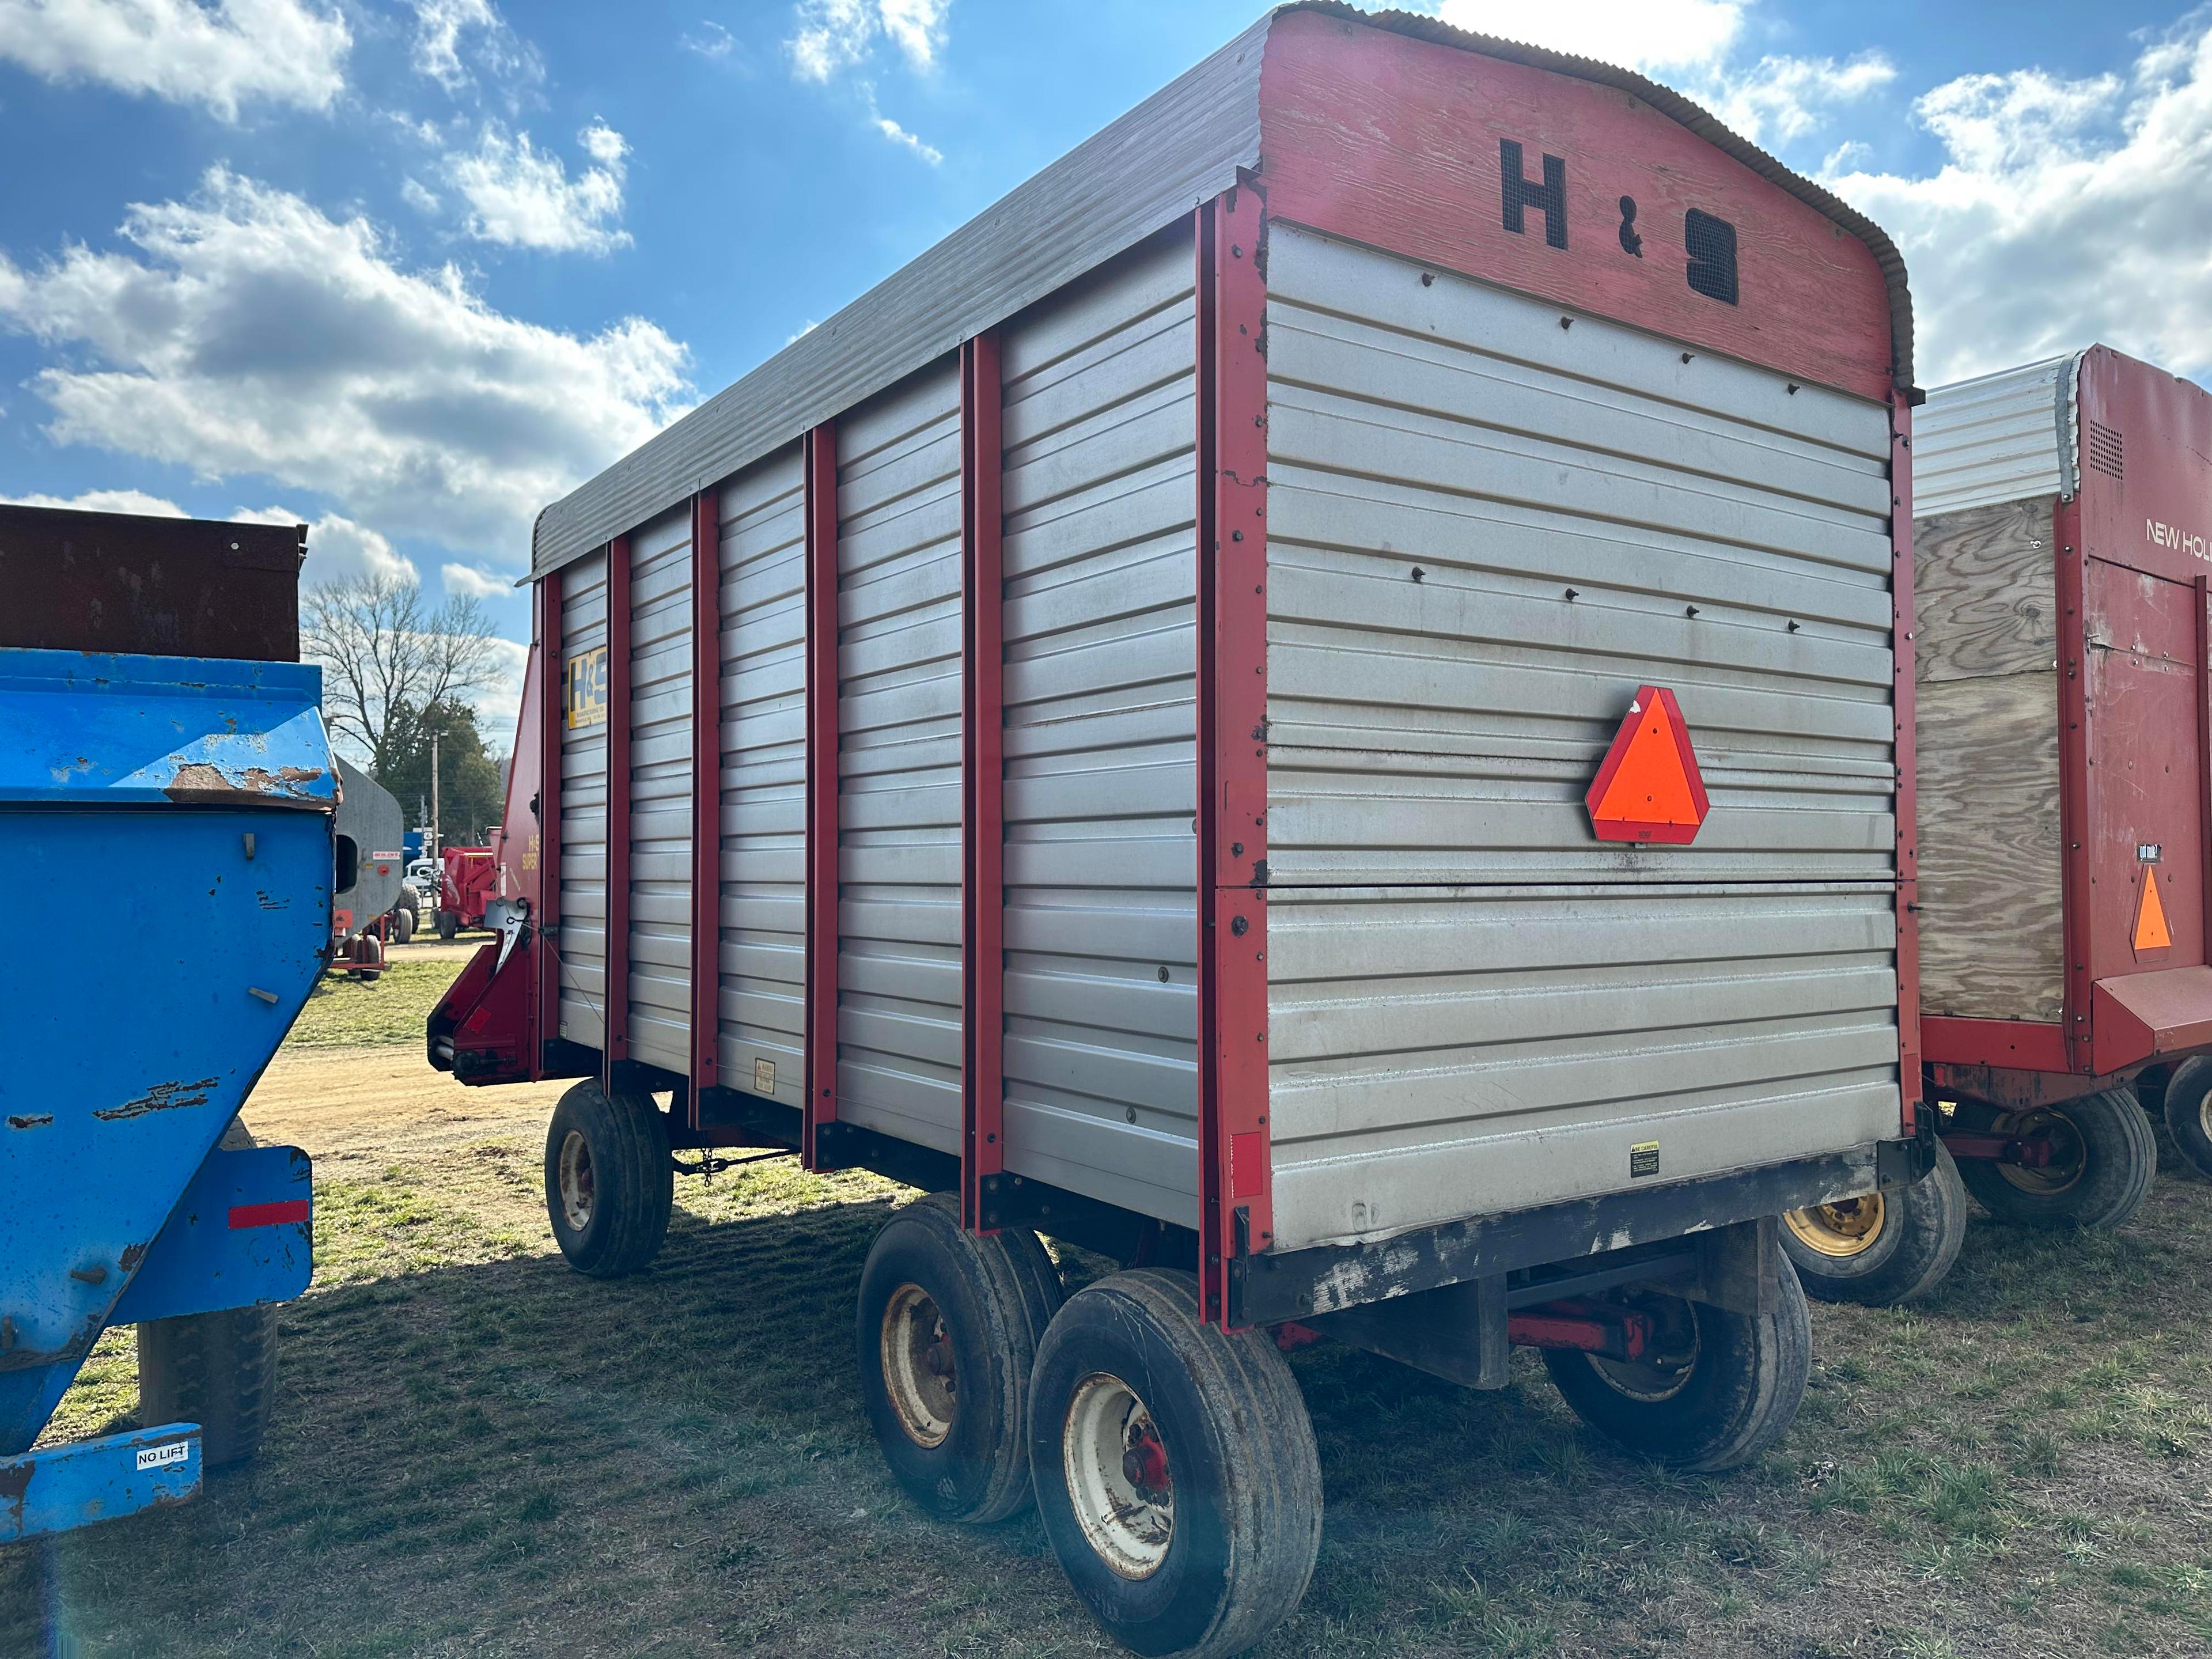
{"x": 706, "y": 793}
{"x": 553, "y": 726}
{"x": 1670, "y": 835}
{"x": 1903, "y": 664}
{"x": 1235, "y": 1159}
{"x": 982, "y": 774}
{"x": 822, "y": 827}
{"x": 615, "y": 980}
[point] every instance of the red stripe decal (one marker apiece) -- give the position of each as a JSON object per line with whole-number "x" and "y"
{"x": 243, "y": 1216}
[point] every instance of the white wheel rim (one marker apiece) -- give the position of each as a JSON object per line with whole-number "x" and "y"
{"x": 1648, "y": 1381}
{"x": 1118, "y": 1478}
{"x": 2205, "y": 1114}
{"x": 579, "y": 1190}
{"x": 919, "y": 1372}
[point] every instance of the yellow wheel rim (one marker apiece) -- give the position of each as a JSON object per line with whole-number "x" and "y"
{"x": 2070, "y": 1162}
{"x": 1842, "y": 1230}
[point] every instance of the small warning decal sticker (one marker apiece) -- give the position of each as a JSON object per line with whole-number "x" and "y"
{"x": 764, "y": 1076}
{"x": 1649, "y": 787}
{"x": 159, "y": 1457}
{"x": 1643, "y": 1159}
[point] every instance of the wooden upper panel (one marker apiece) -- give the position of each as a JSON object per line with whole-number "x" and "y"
{"x": 1403, "y": 143}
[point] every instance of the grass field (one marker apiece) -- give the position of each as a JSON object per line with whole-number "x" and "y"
{"x": 479, "y": 1452}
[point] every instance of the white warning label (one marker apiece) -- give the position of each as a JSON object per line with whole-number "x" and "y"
{"x": 159, "y": 1457}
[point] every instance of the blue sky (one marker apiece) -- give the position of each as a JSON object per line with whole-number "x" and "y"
{"x": 408, "y": 268}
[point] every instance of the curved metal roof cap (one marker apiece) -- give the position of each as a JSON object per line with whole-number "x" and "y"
{"x": 1178, "y": 148}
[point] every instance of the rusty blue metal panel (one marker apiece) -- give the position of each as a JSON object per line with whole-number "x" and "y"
{"x": 152, "y": 822}
{"x": 68, "y": 1487}
{"x": 240, "y": 1236}
{"x": 169, "y": 731}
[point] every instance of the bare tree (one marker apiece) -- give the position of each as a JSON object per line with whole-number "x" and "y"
{"x": 387, "y": 656}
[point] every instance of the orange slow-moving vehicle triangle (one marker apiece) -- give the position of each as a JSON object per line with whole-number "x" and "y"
{"x": 2151, "y": 932}
{"x": 1649, "y": 787}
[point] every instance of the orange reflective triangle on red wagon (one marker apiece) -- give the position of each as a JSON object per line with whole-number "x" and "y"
{"x": 1649, "y": 787}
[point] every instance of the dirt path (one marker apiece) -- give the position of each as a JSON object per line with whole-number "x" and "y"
{"x": 368, "y": 1104}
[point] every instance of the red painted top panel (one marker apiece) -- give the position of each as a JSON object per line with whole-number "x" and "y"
{"x": 2146, "y": 465}
{"x": 1401, "y": 143}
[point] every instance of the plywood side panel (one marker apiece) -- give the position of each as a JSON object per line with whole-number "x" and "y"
{"x": 1984, "y": 591}
{"x": 1991, "y": 939}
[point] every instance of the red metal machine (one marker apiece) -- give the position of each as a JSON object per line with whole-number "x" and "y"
{"x": 2061, "y": 517}
{"x": 469, "y": 880}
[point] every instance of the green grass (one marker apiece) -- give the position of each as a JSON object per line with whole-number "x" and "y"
{"x": 479, "y": 1452}
{"x": 343, "y": 1012}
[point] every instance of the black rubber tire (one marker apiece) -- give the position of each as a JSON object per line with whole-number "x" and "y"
{"x": 2189, "y": 1110}
{"x": 1741, "y": 1394}
{"x": 368, "y": 953}
{"x": 411, "y": 904}
{"x": 2120, "y": 1160}
{"x": 403, "y": 925}
{"x": 1917, "y": 1239}
{"x": 625, "y": 1139}
{"x": 217, "y": 1369}
{"x": 1246, "y": 1476}
{"x": 448, "y": 924}
{"x": 994, "y": 1298}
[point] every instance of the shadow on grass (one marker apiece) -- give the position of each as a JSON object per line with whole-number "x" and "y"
{"x": 507, "y": 1458}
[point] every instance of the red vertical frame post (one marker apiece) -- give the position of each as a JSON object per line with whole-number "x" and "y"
{"x": 821, "y": 509}
{"x": 1905, "y": 660}
{"x": 1235, "y": 1173}
{"x": 615, "y": 980}
{"x": 553, "y": 727}
{"x": 2072, "y": 589}
{"x": 2203, "y": 586}
{"x": 706, "y": 793}
{"x": 982, "y": 775}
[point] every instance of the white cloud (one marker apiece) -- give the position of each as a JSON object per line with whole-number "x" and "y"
{"x": 244, "y": 333}
{"x": 1641, "y": 34}
{"x": 223, "y": 55}
{"x": 449, "y": 34}
{"x": 805, "y": 329}
{"x": 136, "y": 501}
{"x": 712, "y": 42}
{"x": 835, "y": 35}
{"x": 1781, "y": 98}
{"x": 471, "y": 582}
{"x": 522, "y": 197}
{"x": 898, "y": 135}
{"x": 419, "y": 195}
{"x": 2065, "y": 211}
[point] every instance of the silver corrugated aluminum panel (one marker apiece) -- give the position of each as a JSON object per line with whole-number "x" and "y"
{"x": 898, "y": 765}
{"x": 1467, "y": 1051}
{"x": 581, "y": 949}
{"x": 1484, "y": 532}
{"x": 660, "y": 792}
{"x": 1998, "y": 438}
{"x": 1100, "y": 864}
{"x": 763, "y": 1002}
{"x": 1181, "y": 146}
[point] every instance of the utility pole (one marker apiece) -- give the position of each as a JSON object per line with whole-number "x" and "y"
{"x": 437, "y": 815}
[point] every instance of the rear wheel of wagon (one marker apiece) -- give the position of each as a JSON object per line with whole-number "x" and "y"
{"x": 1883, "y": 1248}
{"x": 947, "y": 1332}
{"x": 1715, "y": 1390}
{"x": 1175, "y": 1470}
{"x": 369, "y": 959}
{"x": 217, "y": 1369}
{"x": 403, "y": 925}
{"x": 609, "y": 1181}
{"x": 448, "y": 924}
{"x": 2099, "y": 1158}
{"x": 2189, "y": 1110}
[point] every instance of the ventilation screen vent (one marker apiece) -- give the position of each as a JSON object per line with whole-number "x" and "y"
{"x": 2105, "y": 452}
